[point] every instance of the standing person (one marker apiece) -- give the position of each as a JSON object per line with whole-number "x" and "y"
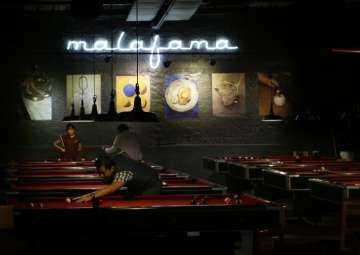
{"x": 69, "y": 144}
{"x": 125, "y": 143}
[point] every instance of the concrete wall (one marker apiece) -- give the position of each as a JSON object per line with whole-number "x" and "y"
{"x": 266, "y": 44}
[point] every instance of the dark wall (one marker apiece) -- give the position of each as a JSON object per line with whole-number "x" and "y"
{"x": 270, "y": 39}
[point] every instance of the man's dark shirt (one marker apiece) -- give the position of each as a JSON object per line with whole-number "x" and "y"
{"x": 136, "y": 176}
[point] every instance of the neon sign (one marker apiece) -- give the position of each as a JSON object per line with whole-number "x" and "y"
{"x": 154, "y": 47}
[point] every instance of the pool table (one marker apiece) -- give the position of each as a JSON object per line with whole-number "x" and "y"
{"x": 59, "y": 164}
{"x": 293, "y": 178}
{"x": 53, "y": 169}
{"x": 218, "y": 164}
{"x": 336, "y": 189}
{"x": 251, "y": 165}
{"x": 76, "y": 175}
{"x": 249, "y": 170}
{"x": 51, "y": 163}
{"x": 161, "y": 213}
{"x": 78, "y": 171}
{"x": 253, "y": 170}
{"x": 344, "y": 193}
{"x": 73, "y": 188}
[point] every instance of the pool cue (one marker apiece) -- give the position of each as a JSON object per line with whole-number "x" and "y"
{"x": 78, "y": 197}
{"x": 62, "y": 141}
{"x": 334, "y": 146}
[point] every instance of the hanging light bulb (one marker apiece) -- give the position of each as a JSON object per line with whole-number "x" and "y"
{"x": 82, "y": 89}
{"x": 72, "y": 114}
{"x": 137, "y": 114}
{"x": 272, "y": 117}
{"x": 212, "y": 62}
{"x": 111, "y": 114}
{"x": 94, "y": 110}
{"x": 279, "y": 98}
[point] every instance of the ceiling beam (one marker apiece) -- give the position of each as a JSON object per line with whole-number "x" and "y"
{"x": 162, "y": 14}
{"x": 147, "y": 10}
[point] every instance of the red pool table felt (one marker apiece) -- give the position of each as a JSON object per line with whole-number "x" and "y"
{"x": 345, "y": 181}
{"x": 94, "y": 185}
{"x": 317, "y": 170}
{"x": 137, "y": 202}
{"x": 54, "y": 162}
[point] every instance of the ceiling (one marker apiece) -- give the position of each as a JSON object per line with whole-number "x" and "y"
{"x": 156, "y": 12}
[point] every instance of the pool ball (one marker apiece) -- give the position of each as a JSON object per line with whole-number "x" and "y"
{"x": 204, "y": 200}
{"x": 68, "y": 200}
{"x": 164, "y": 183}
{"x": 129, "y": 90}
{"x": 237, "y": 199}
{"x": 227, "y": 200}
{"x": 194, "y": 200}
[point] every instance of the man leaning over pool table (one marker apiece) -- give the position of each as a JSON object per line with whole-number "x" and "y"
{"x": 121, "y": 170}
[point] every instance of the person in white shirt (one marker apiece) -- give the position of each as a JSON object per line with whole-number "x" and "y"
{"x": 125, "y": 143}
